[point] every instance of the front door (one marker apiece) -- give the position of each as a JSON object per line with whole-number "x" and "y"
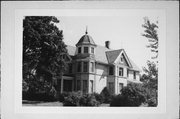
{"x": 67, "y": 87}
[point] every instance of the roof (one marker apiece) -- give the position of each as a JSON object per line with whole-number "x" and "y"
{"x": 134, "y": 66}
{"x": 104, "y": 55}
{"x": 112, "y": 55}
{"x": 86, "y": 39}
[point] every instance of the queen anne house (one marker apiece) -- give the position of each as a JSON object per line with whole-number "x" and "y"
{"x": 94, "y": 67}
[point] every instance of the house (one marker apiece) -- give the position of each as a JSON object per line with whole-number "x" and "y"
{"x": 95, "y": 67}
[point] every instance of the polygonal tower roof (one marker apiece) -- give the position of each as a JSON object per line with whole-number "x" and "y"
{"x": 86, "y": 40}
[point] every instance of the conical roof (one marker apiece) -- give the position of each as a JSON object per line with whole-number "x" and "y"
{"x": 86, "y": 39}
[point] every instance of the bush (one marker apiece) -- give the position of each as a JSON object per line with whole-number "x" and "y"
{"x": 62, "y": 96}
{"x": 88, "y": 100}
{"x": 132, "y": 95}
{"x": 72, "y": 99}
{"x": 99, "y": 97}
{"x": 106, "y": 96}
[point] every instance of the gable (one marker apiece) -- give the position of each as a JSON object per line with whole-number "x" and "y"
{"x": 112, "y": 55}
{"x": 122, "y": 60}
{"x": 125, "y": 60}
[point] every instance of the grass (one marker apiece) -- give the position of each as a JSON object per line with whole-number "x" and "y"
{"x": 41, "y": 103}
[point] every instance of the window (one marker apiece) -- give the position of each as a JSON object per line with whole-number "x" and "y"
{"x": 85, "y": 86}
{"x": 85, "y": 66}
{"x": 85, "y": 49}
{"x": 79, "y": 67}
{"x": 120, "y": 71}
{"x": 111, "y": 70}
{"x": 111, "y": 87}
{"x": 79, "y": 49}
{"x": 92, "y": 66}
{"x": 91, "y": 86}
{"x": 78, "y": 85}
{"x": 70, "y": 68}
{"x": 92, "y": 50}
{"x": 127, "y": 73}
{"x": 121, "y": 59}
{"x": 134, "y": 75}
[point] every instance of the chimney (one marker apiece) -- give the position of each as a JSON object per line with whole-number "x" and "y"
{"x": 107, "y": 44}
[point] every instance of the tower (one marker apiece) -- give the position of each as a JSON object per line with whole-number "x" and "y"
{"x": 85, "y": 63}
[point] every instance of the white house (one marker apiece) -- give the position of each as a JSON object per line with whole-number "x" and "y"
{"x": 95, "y": 67}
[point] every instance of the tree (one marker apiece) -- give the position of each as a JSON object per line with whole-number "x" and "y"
{"x": 151, "y": 35}
{"x": 131, "y": 95}
{"x": 150, "y": 78}
{"x": 44, "y": 52}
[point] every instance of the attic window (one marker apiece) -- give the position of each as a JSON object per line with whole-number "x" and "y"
{"x": 121, "y": 59}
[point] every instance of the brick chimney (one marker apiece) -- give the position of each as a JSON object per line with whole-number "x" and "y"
{"x": 107, "y": 44}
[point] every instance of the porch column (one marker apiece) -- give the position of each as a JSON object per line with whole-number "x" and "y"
{"x": 62, "y": 80}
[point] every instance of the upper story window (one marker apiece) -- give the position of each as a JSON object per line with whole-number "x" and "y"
{"x": 134, "y": 75}
{"x": 92, "y": 66}
{"x": 120, "y": 71}
{"x": 92, "y": 50}
{"x": 85, "y": 66}
{"x": 79, "y": 49}
{"x": 111, "y": 70}
{"x": 79, "y": 67}
{"x": 85, "y": 49}
{"x": 127, "y": 73}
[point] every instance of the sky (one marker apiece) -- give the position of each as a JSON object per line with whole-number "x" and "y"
{"x": 123, "y": 31}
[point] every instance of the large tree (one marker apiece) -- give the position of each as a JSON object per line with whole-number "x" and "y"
{"x": 150, "y": 33}
{"x": 150, "y": 76}
{"x": 44, "y": 52}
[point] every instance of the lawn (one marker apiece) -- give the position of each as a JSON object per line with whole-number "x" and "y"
{"x": 41, "y": 103}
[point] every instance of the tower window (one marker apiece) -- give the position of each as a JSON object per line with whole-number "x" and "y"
{"x": 79, "y": 67}
{"x": 92, "y": 50}
{"x": 79, "y": 49}
{"x": 85, "y": 66}
{"x": 85, "y": 49}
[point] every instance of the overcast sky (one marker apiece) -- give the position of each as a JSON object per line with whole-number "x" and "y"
{"x": 123, "y": 31}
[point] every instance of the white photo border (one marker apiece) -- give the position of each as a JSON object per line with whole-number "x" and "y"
{"x": 11, "y": 47}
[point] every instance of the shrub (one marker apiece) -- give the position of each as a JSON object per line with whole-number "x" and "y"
{"x": 88, "y": 100}
{"x": 99, "y": 97}
{"x": 72, "y": 99}
{"x": 62, "y": 96}
{"x": 106, "y": 96}
{"x": 132, "y": 95}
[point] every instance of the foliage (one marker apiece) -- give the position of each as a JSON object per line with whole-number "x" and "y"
{"x": 132, "y": 95}
{"x": 150, "y": 78}
{"x": 44, "y": 52}
{"x": 88, "y": 100}
{"x": 151, "y": 34}
{"x": 106, "y": 95}
{"x": 62, "y": 96}
{"x": 79, "y": 99}
{"x": 72, "y": 99}
{"x": 99, "y": 97}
